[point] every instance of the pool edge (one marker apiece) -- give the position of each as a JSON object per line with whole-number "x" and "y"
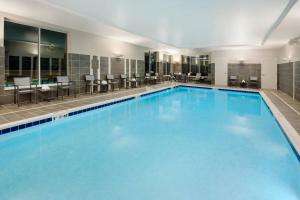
{"x": 288, "y": 130}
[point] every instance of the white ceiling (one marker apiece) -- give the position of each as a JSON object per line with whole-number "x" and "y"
{"x": 171, "y": 24}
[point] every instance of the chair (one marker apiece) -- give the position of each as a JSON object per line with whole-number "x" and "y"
{"x": 91, "y": 82}
{"x": 123, "y": 82}
{"x": 147, "y": 78}
{"x": 111, "y": 81}
{"x": 133, "y": 82}
{"x": 208, "y": 79}
{"x": 63, "y": 83}
{"x": 138, "y": 79}
{"x": 232, "y": 80}
{"x": 103, "y": 85}
{"x": 23, "y": 86}
{"x": 197, "y": 78}
{"x": 157, "y": 78}
{"x": 253, "y": 81}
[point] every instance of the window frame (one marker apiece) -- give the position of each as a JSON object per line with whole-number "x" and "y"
{"x": 39, "y": 27}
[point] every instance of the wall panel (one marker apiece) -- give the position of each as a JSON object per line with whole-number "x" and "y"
{"x": 285, "y": 78}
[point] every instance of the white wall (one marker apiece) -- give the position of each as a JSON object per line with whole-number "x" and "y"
{"x": 85, "y": 43}
{"x": 289, "y": 53}
{"x": 267, "y": 58}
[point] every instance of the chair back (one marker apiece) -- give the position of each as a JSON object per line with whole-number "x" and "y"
{"x": 232, "y": 77}
{"x": 123, "y": 76}
{"x": 22, "y": 81}
{"x": 148, "y": 75}
{"x": 110, "y": 77}
{"x": 253, "y": 78}
{"x": 89, "y": 77}
{"x": 198, "y": 75}
{"x": 62, "y": 79}
{"x": 137, "y": 76}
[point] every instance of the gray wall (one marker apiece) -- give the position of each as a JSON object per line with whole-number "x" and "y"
{"x": 297, "y": 80}
{"x": 141, "y": 68}
{"x": 244, "y": 71}
{"x": 127, "y": 67}
{"x": 133, "y": 67}
{"x": 79, "y": 65}
{"x": 103, "y": 67}
{"x": 285, "y": 78}
{"x": 95, "y": 66}
{"x": 117, "y": 67}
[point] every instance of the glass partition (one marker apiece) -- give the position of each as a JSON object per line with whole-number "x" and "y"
{"x": 21, "y": 51}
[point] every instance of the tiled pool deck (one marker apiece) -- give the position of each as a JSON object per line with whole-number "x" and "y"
{"x": 12, "y": 113}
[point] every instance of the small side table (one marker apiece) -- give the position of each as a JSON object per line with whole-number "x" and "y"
{"x": 46, "y": 93}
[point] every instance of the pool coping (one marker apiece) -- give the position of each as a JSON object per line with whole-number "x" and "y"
{"x": 288, "y": 130}
{"x": 34, "y": 121}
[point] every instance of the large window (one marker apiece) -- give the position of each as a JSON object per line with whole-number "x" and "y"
{"x": 53, "y": 52}
{"x": 24, "y": 45}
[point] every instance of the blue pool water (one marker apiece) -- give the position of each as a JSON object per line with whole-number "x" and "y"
{"x": 181, "y": 144}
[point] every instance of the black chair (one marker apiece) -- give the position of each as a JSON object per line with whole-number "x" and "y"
{"x": 112, "y": 82}
{"x": 63, "y": 83}
{"x": 253, "y": 81}
{"x": 23, "y": 86}
{"x": 138, "y": 79}
{"x": 232, "y": 80}
{"x": 123, "y": 81}
{"x": 103, "y": 85}
{"x": 91, "y": 82}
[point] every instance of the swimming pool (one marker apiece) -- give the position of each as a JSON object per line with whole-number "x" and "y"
{"x": 179, "y": 144}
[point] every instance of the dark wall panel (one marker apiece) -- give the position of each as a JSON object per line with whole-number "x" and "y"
{"x": 117, "y": 67}
{"x": 95, "y": 66}
{"x": 141, "y": 68}
{"x": 103, "y": 67}
{"x": 79, "y": 67}
{"x": 133, "y": 67}
{"x": 127, "y": 67}
{"x": 244, "y": 71}
{"x": 285, "y": 78}
{"x": 297, "y": 80}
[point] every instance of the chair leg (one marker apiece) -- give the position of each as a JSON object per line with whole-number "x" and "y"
{"x": 18, "y": 99}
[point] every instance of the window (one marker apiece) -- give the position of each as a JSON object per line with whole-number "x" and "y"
{"x": 21, "y": 44}
{"x": 53, "y": 52}
{"x": 23, "y": 47}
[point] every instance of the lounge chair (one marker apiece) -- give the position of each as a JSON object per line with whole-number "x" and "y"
{"x": 197, "y": 78}
{"x": 138, "y": 79}
{"x": 133, "y": 82}
{"x": 123, "y": 81}
{"x": 148, "y": 78}
{"x": 23, "y": 86}
{"x": 232, "y": 81}
{"x": 91, "y": 82}
{"x": 103, "y": 85}
{"x": 208, "y": 78}
{"x": 253, "y": 81}
{"x": 112, "y": 82}
{"x": 63, "y": 83}
{"x": 157, "y": 78}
